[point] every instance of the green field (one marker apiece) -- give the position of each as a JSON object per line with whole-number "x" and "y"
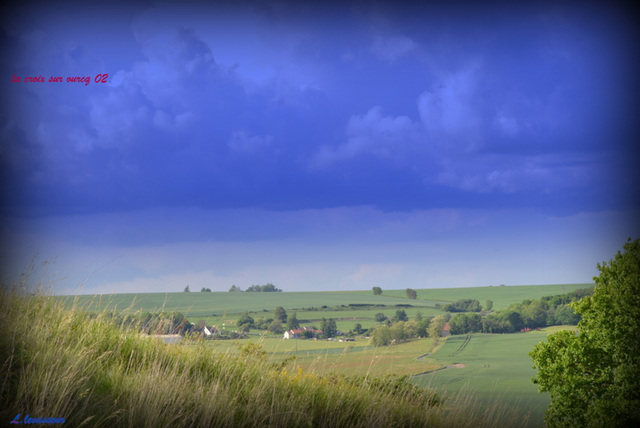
{"x": 198, "y": 304}
{"x": 215, "y": 306}
{"x": 350, "y": 358}
{"x": 492, "y": 369}
{"x": 502, "y": 296}
{"x": 497, "y": 367}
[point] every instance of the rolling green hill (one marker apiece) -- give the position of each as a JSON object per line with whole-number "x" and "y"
{"x": 223, "y": 309}
{"x": 199, "y": 304}
{"x": 502, "y": 296}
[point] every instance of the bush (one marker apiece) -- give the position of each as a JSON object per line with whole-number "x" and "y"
{"x": 463, "y": 305}
{"x": 593, "y": 375}
{"x": 267, "y": 288}
{"x": 400, "y": 315}
{"x": 245, "y": 319}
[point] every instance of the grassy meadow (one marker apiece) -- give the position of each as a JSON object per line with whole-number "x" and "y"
{"x": 496, "y": 370}
{"x": 348, "y": 358}
{"x": 61, "y": 362}
{"x": 63, "y": 356}
{"x": 491, "y": 369}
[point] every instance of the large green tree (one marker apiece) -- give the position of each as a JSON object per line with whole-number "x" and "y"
{"x": 328, "y": 327}
{"x": 489, "y": 305}
{"x": 281, "y": 314}
{"x": 411, "y": 293}
{"x": 245, "y": 319}
{"x": 276, "y": 327}
{"x": 400, "y": 315}
{"x": 593, "y": 375}
{"x": 293, "y": 322}
{"x": 357, "y": 329}
{"x": 435, "y": 327}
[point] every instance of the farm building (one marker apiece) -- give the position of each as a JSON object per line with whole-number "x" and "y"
{"x": 445, "y": 330}
{"x": 292, "y": 334}
{"x": 295, "y": 334}
{"x": 210, "y": 331}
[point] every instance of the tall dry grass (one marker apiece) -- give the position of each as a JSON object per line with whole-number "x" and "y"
{"x": 61, "y": 362}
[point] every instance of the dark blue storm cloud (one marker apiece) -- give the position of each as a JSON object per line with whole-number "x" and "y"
{"x": 356, "y": 141}
{"x": 300, "y": 106}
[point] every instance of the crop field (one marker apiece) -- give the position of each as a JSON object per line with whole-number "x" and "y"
{"x": 489, "y": 368}
{"x": 494, "y": 367}
{"x": 217, "y": 304}
{"x": 198, "y": 304}
{"x": 346, "y": 318}
{"x": 501, "y": 295}
{"x": 350, "y": 358}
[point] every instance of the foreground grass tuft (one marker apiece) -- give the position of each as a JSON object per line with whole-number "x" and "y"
{"x": 61, "y": 362}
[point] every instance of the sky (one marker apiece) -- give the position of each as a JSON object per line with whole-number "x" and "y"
{"x": 315, "y": 146}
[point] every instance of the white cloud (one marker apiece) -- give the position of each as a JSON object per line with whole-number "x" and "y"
{"x": 374, "y": 133}
{"x": 393, "y": 47}
{"x": 117, "y": 118}
{"x": 176, "y": 60}
{"x": 509, "y": 174}
{"x": 506, "y": 124}
{"x": 450, "y": 112}
{"x": 168, "y": 122}
{"x": 247, "y": 142}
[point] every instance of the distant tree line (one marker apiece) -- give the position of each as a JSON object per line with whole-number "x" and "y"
{"x": 276, "y": 325}
{"x": 202, "y": 290}
{"x": 547, "y": 311}
{"x": 550, "y": 310}
{"x": 463, "y": 305}
{"x": 282, "y": 322}
{"x": 399, "y": 329}
{"x": 266, "y": 288}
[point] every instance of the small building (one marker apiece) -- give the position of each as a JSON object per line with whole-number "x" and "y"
{"x": 304, "y": 331}
{"x": 211, "y": 332}
{"x": 445, "y": 330}
{"x": 292, "y": 334}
